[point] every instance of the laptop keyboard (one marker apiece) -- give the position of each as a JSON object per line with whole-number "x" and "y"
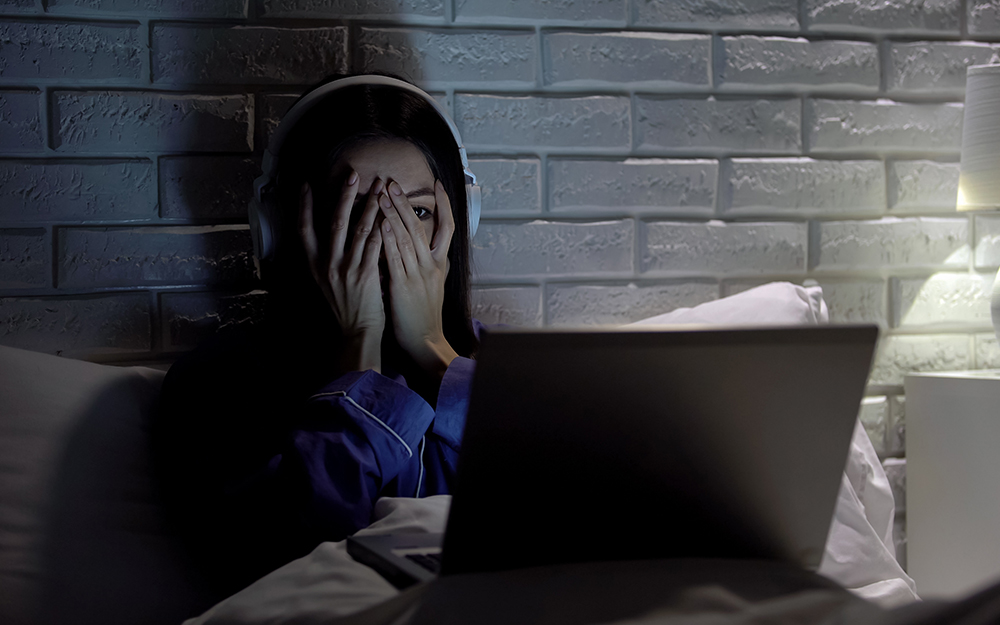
{"x": 430, "y": 561}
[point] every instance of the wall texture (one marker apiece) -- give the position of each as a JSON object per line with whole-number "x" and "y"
{"x": 636, "y": 156}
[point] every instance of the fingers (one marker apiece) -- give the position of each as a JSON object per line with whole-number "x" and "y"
{"x": 342, "y": 217}
{"x": 366, "y": 223}
{"x": 373, "y": 250}
{"x": 398, "y": 242}
{"x": 444, "y": 226}
{"x": 399, "y": 254}
{"x": 411, "y": 222}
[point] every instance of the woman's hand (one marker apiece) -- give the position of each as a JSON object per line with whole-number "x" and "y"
{"x": 417, "y": 271}
{"x": 349, "y": 277}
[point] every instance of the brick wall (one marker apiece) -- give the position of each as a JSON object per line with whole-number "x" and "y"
{"x": 636, "y": 155}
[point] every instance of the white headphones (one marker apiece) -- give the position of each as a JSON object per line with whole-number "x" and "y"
{"x": 263, "y": 211}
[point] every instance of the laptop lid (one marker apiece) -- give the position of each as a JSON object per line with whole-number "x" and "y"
{"x": 634, "y": 443}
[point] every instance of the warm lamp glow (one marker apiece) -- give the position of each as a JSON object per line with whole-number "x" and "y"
{"x": 979, "y": 175}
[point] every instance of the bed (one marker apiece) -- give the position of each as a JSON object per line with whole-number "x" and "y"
{"x": 84, "y": 540}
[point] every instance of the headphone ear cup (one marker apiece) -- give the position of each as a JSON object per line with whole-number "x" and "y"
{"x": 475, "y": 196}
{"x": 261, "y": 221}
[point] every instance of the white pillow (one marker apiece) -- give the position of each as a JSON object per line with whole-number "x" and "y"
{"x": 860, "y": 554}
{"x": 777, "y": 303}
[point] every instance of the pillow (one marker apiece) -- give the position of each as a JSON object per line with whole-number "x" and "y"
{"x": 777, "y": 303}
{"x": 84, "y": 539}
{"x": 860, "y": 554}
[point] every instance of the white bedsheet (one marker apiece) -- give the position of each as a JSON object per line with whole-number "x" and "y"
{"x": 328, "y": 583}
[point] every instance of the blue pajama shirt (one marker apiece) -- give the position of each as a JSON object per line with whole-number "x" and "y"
{"x": 261, "y": 454}
{"x": 367, "y": 435}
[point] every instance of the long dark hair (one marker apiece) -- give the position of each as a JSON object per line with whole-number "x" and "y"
{"x": 343, "y": 119}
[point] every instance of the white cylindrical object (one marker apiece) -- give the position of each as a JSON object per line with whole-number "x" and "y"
{"x": 979, "y": 180}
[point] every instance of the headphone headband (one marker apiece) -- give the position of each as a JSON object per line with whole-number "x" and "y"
{"x": 261, "y": 209}
{"x": 294, "y": 114}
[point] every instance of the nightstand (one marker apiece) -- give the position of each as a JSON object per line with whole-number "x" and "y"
{"x": 953, "y": 481}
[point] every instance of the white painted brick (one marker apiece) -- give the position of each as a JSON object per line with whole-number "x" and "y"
{"x": 895, "y": 470}
{"x": 893, "y": 242}
{"x": 583, "y": 59}
{"x": 541, "y": 10}
{"x": 671, "y": 184}
{"x": 803, "y": 184}
{"x": 273, "y": 108}
{"x": 682, "y": 123}
{"x": 716, "y": 247}
{"x": 547, "y": 248}
{"x": 935, "y": 66}
{"x": 488, "y": 56}
{"x": 109, "y": 257}
{"x": 206, "y": 187}
{"x": 854, "y": 15}
{"x": 158, "y": 8}
{"x": 896, "y": 432}
{"x": 116, "y": 120}
{"x": 38, "y": 190}
{"x": 20, "y": 124}
{"x": 24, "y": 258}
{"x": 349, "y": 8}
{"x": 855, "y": 301}
{"x": 987, "y": 241}
{"x": 874, "y": 414}
{"x": 850, "y": 125}
{"x": 190, "y": 318}
{"x": 983, "y": 17}
{"x": 595, "y": 121}
{"x": 18, "y": 5}
{"x": 247, "y": 54}
{"x": 518, "y": 306}
{"x": 922, "y": 185}
{"x": 898, "y": 355}
{"x": 943, "y": 299}
{"x": 987, "y": 351}
{"x": 508, "y": 185}
{"x": 777, "y": 61}
{"x": 78, "y": 327}
{"x": 618, "y": 304}
{"x": 69, "y": 50}
{"x": 762, "y": 14}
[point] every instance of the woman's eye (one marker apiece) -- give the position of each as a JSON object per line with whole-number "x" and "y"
{"x": 421, "y": 212}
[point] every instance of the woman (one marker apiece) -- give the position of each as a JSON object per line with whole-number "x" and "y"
{"x": 354, "y": 387}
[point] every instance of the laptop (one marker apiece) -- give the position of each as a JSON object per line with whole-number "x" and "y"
{"x": 645, "y": 443}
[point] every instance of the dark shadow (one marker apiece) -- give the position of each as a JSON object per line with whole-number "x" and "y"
{"x": 109, "y": 556}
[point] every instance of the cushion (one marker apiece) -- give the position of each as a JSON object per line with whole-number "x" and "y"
{"x": 777, "y": 303}
{"x": 83, "y": 534}
{"x": 860, "y": 553}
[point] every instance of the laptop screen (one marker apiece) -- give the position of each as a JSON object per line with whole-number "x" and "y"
{"x": 634, "y": 443}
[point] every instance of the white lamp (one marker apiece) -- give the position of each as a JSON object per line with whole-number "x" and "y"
{"x": 979, "y": 177}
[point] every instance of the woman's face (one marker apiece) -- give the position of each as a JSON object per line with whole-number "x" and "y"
{"x": 391, "y": 160}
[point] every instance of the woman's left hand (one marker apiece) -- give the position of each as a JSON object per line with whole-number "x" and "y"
{"x": 417, "y": 271}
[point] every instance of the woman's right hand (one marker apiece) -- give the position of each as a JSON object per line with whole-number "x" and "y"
{"x": 349, "y": 277}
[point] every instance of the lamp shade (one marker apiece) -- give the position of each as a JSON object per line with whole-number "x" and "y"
{"x": 979, "y": 175}
{"x": 979, "y": 178}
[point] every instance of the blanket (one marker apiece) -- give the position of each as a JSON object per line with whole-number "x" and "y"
{"x": 328, "y": 584}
